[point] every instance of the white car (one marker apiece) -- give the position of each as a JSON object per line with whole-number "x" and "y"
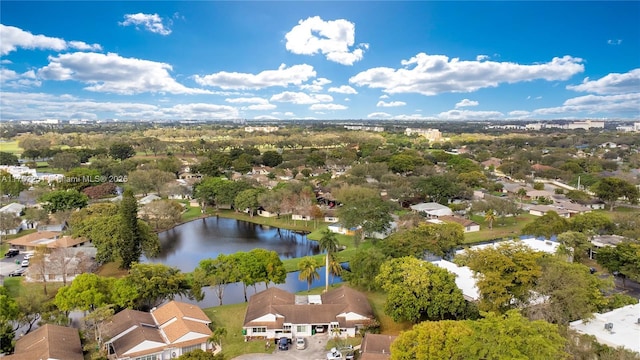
{"x": 24, "y": 263}
{"x": 301, "y": 344}
{"x": 28, "y": 256}
{"x": 334, "y": 354}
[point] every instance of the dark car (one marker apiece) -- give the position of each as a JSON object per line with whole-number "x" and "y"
{"x": 12, "y": 253}
{"x": 18, "y": 272}
{"x": 283, "y": 343}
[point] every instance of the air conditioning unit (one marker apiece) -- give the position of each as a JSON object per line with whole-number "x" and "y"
{"x": 608, "y": 326}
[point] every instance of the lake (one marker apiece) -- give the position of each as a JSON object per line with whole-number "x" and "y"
{"x": 185, "y": 245}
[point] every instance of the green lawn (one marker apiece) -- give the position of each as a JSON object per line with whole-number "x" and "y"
{"x": 10, "y": 147}
{"x": 502, "y": 228}
{"x": 231, "y": 317}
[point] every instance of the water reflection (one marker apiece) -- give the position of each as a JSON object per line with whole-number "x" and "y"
{"x": 233, "y": 293}
{"x": 185, "y": 245}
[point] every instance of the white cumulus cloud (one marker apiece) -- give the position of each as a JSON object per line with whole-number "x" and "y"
{"x": 378, "y": 115}
{"x": 247, "y": 100}
{"x": 332, "y": 38}
{"x": 382, "y": 103}
{"x": 14, "y": 38}
{"x": 435, "y": 74}
{"x": 620, "y": 105}
{"x": 343, "y": 89}
{"x": 327, "y": 107}
{"x": 300, "y": 98}
{"x": 283, "y": 76}
{"x": 261, "y": 107}
{"x": 316, "y": 85}
{"x": 613, "y": 83}
{"x": 151, "y": 22}
{"x": 469, "y": 115}
{"x": 11, "y": 79}
{"x": 466, "y": 102}
{"x": 114, "y": 74}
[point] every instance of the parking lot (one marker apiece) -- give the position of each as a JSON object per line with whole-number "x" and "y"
{"x": 8, "y": 264}
{"x": 315, "y": 350}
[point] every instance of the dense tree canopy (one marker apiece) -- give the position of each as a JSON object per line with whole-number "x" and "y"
{"x": 505, "y": 275}
{"x": 496, "y": 337}
{"x": 418, "y": 290}
{"x": 63, "y": 200}
{"x": 436, "y": 239}
{"x": 610, "y": 189}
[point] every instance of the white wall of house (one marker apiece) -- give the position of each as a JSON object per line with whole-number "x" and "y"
{"x": 265, "y": 213}
{"x": 472, "y": 228}
{"x": 300, "y": 217}
{"x": 145, "y": 346}
{"x": 331, "y": 219}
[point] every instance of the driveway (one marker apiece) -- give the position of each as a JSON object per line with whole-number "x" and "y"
{"x": 8, "y": 265}
{"x": 315, "y": 351}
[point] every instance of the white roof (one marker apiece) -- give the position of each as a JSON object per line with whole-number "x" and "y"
{"x": 625, "y": 331}
{"x": 432, "y": 208}
{"x": 464, "y": 278}
{"x": 546, "y": 246}
{"x": 149, "y": 198}
{"x": 12, "y": 208}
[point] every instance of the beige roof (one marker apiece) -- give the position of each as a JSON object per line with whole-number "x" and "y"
{"x": 127, "y": 319}
{"x": 335, "y": 302}
{"x": 32, "y": 239}
{"x": 376, "y": 346}
{"x": 157, "y": 327}
{"x": 49, "y": 342}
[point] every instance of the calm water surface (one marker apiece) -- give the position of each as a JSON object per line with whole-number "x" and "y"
{"x": 185, "y": 245}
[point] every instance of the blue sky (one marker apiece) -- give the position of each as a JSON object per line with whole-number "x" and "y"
{"x": 213, "y": 60}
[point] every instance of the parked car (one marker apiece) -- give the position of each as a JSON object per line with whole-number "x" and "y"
{"x": 18, "y": 272}
{"x": 24, "y": 263}
{"x": 319, "y": 329}
{"x": 28, "y": 256}
{"x": 334, "y": 354}
{"x": 12, "y": 253}
{"x": 283, "y": 343}
{"x": 301, "y": 343}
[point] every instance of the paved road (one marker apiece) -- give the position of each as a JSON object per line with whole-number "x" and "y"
{"x": 315, "y": 351}
{"x": 8, "y": 265}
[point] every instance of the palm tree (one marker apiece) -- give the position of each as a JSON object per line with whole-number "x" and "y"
{"x": 522, "y": 192}
{"x": 216, "y": 336}
{"x": 328, "y": 242}
{"x": 308, "y": 270}
{"x": 490, "y": 217}
{"x": 335, "y": 268}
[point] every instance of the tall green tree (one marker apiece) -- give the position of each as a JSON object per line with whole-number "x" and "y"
{"x": 505, "y": 275}
{"x": 130, "y": 239}
{"x": 571, "y": 292}
{"x": 64, "y": 160}
{"x": 10, "y": 186}
{"x": 308, "y": 270}
{"x": 155, "y": 284}
{"x": 364, "y": 267}
{"x": 592, "y": 223}
{"x": 610, "y": 189}
{"x": 86, "y": 291}
{"x": 8, "y": 159}
{"x": 490, "y": 217}
{"x": 623, "y": 258}
{"x": 496, "y": 337}
{"x": 329, "y": 243}
{"x": 437, "y": 239}
{"x": 575, "y": 245}
{"x": 418, "y": 290}
{"x": 121, "y": 151}
{"x": 220, "y": 272}
{"x": 547, "y": 225}
{"x": 247, "y": 200}
{"x": 363, "y": 208}
{"x": 63, "y": 200}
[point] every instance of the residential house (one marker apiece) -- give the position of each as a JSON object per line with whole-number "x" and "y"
{"x": 330, "y": 216}
{"x": 468, "y": 225}
{"x": 541, "y": 245}
{"x": 616, "y": 328}
{"x": 338, "y": 228}
{"x": 376, "y": 347}
{"x": 491, "y": 162}
{"x": 54, "y": 227}
{"x": 264, "y": 213}
{"x": 276, "y": 313}
{"x": 541, "y": 210}
{"x": 13, "y": 208}
{"x": 465, "y": 280}
{"x": 50, "y": 239}
{"x": 48, "y": 342}
{"x": 149, "y": 199}
{"x": 167, "y": 332}
{"x": 432, "y": 210}
{"x": 600, "y": 241}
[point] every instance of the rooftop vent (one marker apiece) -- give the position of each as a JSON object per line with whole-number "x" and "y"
{"x": 608, "y": 326}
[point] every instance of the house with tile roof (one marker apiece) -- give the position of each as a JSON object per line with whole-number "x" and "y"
{"x": 275, "y": 313}
{"x": 167, "y": 332}
{"x": 49, "y": 342}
